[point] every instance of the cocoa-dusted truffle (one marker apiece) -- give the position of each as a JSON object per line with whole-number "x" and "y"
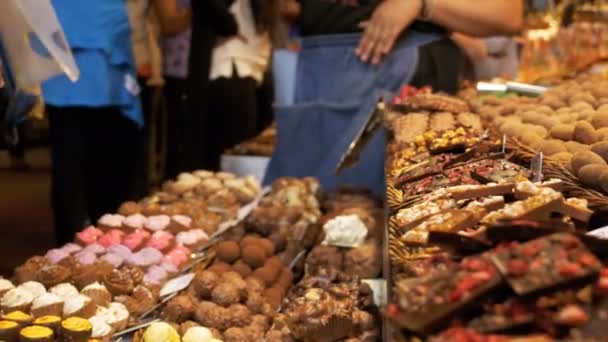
{"x": 254, "y": 255}
{"x": 204, "y": 282}
{"x": 220, "y": 267}
{"x": 274, "y": 261}
{"x": 211, "y": 315}
{"x": 225, "y": 294}
{"x": 285, "y": 279}
{"x": 239, "y": 315}
{"x": 268, "y": 246}
{"x": 179, "y": 309}
{"x": 274, "y": 296}
{"x": 268, "y": 274}
{"x": 228, "y": 251}
{"x": 248, "y": 240}
{"x": 242, "y": 268}
{"x": 279, "y": 241}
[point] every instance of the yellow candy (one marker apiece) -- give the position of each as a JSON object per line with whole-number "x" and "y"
{"x": 161, "y": 332}
{"x": 18, "y": 316}
{"x": 36, "y": 331}
{"x": 7, "y": 324}
{"x": 76, "y": 324}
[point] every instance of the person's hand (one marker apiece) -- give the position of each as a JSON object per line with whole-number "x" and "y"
{"x": 390, "y": 18}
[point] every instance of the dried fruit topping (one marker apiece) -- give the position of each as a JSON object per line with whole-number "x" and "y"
{"x": 570, "y": 269}
{"x": 517, "y": 268}
{"x": 572, "y": 315}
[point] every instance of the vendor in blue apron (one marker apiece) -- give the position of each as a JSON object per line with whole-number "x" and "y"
{"x": 354, "y": 51}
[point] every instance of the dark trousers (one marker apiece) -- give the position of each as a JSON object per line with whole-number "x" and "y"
{"x": 179, "y": 121}
{"x": 232, "y": 116}
{"x": 94, "y": 157}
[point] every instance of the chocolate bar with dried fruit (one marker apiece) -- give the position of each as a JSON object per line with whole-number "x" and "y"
{"x": 555, "y": 262}
{"x": 428, "y": 304}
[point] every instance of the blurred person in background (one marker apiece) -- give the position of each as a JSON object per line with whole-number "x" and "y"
{"x": 95, "y": 122}
{"x": 230, "y": 53}
{"x": 175, "y": 17}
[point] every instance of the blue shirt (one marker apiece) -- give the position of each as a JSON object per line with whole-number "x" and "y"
{"x": 99, "y": 35}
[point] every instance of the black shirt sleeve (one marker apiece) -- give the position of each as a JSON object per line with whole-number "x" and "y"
{"x": 216, "y": 14}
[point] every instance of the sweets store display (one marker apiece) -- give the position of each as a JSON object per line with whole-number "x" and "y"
{"x": 113, "y": 272}
{"x": 568, "y": 124}
{"x": 245, "y": 279}
{"x": 478, "y": 250}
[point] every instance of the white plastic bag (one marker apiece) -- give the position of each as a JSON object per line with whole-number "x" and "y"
{"x": 34, "y": 43}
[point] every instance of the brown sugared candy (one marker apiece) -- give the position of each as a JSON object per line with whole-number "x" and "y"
{"x": 129, "y": 208}
{"x": 239, "y": 315}
{"x": 204, "y": 282}
{"x": 179, "y": 309}
{"x": 274, "y": 296}
{"x": 210, "y": 315}
{"x": 225, "y": 294}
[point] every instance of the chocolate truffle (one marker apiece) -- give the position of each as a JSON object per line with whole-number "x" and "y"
{"x": 242, "y": 268}
{"x": 325, "y": 256}
{"x": 268, "y": 274}
{"x": 275, "y": 260}
{"x": 248, "y": 240}
{"x": 228, "y": 251}
{"x": 220, "y": 267}
{"x": 278, "y": 240}
{"x": 363, "y": 261}
{"x": 268, "y": 246}
{"x": 274, "y": 296}
{"x": 285, "y": 279}
{"x": 254, "y": 255}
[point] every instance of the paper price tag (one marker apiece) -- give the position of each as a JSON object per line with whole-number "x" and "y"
{"x": 600, "y": 233}
{"x": 379, "y": 288}
{"x": 176, "y": 284}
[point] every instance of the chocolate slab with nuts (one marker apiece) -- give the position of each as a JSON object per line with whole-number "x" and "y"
{"x": 428, "y": 304}
{"x": 554, "y": 262}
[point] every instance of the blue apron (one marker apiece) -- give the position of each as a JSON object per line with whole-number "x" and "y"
{"x": 334, "y": 95}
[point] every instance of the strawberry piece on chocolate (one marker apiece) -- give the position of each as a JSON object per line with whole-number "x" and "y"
{"x": 570, "y": 269}
{"x": 517, "y": 268}
{"x": 572, "y": 315}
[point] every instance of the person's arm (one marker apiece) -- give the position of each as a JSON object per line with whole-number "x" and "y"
{"x": 173, "y": 19}
{"x": 471, "y": 17}
{"x": 290, "y": 9}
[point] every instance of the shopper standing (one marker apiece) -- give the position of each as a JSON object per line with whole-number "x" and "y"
{"x": 238, "y": 66}
{"x": 175, "y": 18}
{"x": 94, "y": 122}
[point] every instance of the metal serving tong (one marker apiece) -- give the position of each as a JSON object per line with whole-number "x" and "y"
{"x": 351, "y": 157}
